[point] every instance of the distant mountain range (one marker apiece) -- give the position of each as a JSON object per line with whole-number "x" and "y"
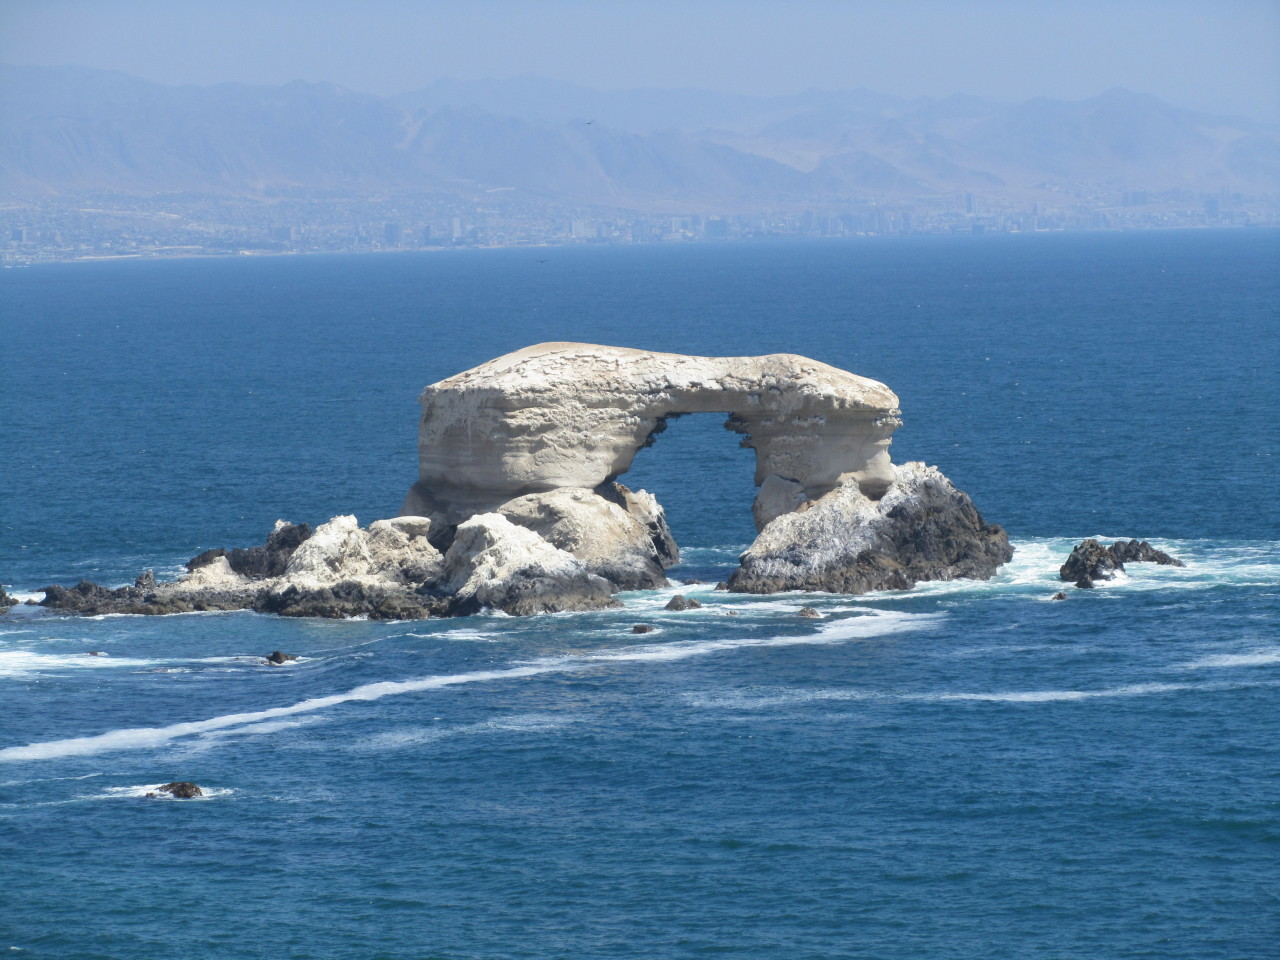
{"x": 72, "y": 130}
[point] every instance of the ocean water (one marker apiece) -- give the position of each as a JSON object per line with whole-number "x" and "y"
{"x": 964, "y": 770}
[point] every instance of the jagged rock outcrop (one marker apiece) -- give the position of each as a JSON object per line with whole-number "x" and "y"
{"x": 617, "y": 534}
{"x": 923, "y": 528}
{"x": 516, "y": 507}
{"x": 495, "y": 563}
{"x": 1091, "y": 561}
{"x": 180, "y": 789}
{"x": 6, "y": 601}
{"x": 337, "y": 570}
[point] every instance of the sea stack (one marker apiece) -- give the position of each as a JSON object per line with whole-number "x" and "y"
{"x": 542, "y": 435}
{"x": 517, "y": 506}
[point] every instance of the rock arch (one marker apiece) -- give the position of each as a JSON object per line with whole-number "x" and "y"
{"x": 517, "y": 508}
{"x": 572, "y": 416}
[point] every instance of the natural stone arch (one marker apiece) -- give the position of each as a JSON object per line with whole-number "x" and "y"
{"x": 572, "y": 416}
{"x": 516, "y": 508}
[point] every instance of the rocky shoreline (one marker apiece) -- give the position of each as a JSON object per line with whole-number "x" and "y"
{"x": 517, "y": 506}
{"x": 922, "y": 529}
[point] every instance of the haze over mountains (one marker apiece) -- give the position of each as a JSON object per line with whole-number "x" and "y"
{"x": 75, "y": 130}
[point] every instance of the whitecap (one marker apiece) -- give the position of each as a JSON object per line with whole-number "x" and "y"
{"x": 141, "y": 738}
{"x": 868, "y": 624}
{"x": 740, "y": 701}
{"x": 1256, "y": 658}
{"x": 411, "y": 736}
{"x": 22, "y": 663}
{"x": 464, "y": 633}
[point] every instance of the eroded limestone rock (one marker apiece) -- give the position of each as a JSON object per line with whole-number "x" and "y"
{"x": 616, "y": 534}
{"x": 495, "y": 563}
{"x": 516, "y": 507}
{"x": 571, "y": 415}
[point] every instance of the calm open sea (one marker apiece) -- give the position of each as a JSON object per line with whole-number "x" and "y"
{"x": 967, "y": 770}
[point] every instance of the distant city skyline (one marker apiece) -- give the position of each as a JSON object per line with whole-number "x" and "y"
{"x": 1219, "y": 56}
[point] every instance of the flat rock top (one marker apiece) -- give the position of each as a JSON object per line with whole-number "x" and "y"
{"x": 570, "y": 369}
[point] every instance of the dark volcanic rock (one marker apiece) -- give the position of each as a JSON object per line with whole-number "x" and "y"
{"x": 809, "y": 613}
{"x": 923, "y": 528}
{"x": 270, "y": 559}
{"x": 182, "y": 789}
{"x": 206, "y": 558}
{"x": 280, "y": 657}
{"x": 1090, "y": 560}
{"x": 91, "y": 599}
{"x": 1059, "y": 596}
{"x": 6, "y": 601}
{"x": 642, "y": 628}
{"x": 681, "y": 602}
{"x": 350, "y": 599}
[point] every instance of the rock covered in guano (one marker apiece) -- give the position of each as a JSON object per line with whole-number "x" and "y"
{"x": 923, "y": 528}
{"x": 517, "y": 505}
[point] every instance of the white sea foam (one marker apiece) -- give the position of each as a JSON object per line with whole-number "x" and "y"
{"x": 866, "y": 625}
{"x": 478, "y": 636}
{"x": 410, "y": 736}
{"x": 151, "y": 791}
{"x": 141, "y": 738}
{"x": 21, "y": 663}
{"x": 1052, "y": 696}
{"x": 735, "y": 701}
{"x": 1255, "y": 658}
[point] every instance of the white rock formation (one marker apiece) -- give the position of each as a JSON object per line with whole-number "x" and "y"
{"x": 571, "y": 415}
{"x": 495, "y": 563}
{"x": 623, "y": 539}
{"x": 517, "y": 463}
{"x": 389, "y": 553}
{"x": 216, "y": 575}
{"x": 923, "y": 528}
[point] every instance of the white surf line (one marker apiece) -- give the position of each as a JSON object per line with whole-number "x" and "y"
{"x": 141, "y": 737}
{"x": 797, "y": 698}
{"x": 864, "y": 627}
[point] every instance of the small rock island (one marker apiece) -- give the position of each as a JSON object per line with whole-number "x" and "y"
{"x": 517, "y": 505}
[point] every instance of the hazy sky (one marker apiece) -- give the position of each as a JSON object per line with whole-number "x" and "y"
{"x": 1221, "y": 55}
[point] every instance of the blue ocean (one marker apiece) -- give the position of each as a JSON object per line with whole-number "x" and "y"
{"x": 965, "y": 770}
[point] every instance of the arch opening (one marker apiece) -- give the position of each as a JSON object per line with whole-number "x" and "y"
{"x": 702, "y": 476}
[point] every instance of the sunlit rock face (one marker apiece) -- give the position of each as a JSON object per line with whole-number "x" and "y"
{"x": 923, "y": 528}
{"x": 517, "y": 508}
{"x": 572, "y": 415}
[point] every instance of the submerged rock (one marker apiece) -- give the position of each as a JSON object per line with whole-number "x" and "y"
{"x": 809, "y": 613}
{"x": 181, "y": 789}
{"x": 1091, "y": 561}
{"x": 279, "y": 657}
{"x": 923, "y": 528}
{"x": 642, "y": 628}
